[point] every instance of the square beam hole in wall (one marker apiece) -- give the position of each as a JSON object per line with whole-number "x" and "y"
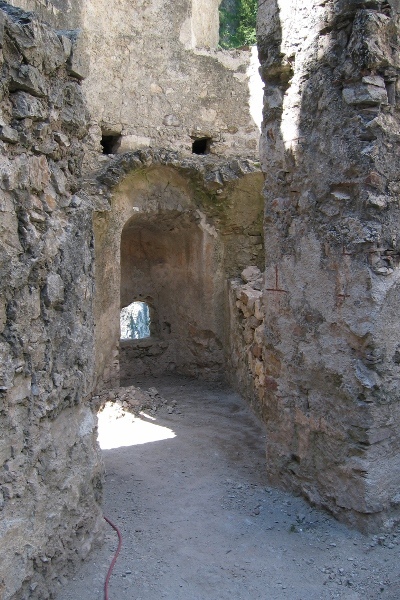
{"x": 201, "y": 145}
{"x": 110, "y": 143}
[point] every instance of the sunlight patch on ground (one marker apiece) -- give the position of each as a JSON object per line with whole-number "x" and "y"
{"x": 118, "y": 428}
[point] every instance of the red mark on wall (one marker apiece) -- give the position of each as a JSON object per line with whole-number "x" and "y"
{"x": 276, "y": 288}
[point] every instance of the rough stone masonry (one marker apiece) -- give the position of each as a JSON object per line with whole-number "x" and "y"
{"x": 55, "y": 286}
{"x": 331, "y": 297}
{"x": 312, "y": 341}
{"x": 50, "y": 478}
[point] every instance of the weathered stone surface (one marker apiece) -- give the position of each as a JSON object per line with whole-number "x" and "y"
{"x": 50, "y": 471}
{"x": 28, "y": 79}
{"x": 368, "y": 95}
{"x": 312, "y": 341}
{"x": 28, "y": 107}
{"x": 78, "y": 59}
{"x": 74, "y": 114}
{"x": 156, "y": 72}
{"x": 251, "y": 274}
{"x": 53, "y": 292}
{"x": 247, "y": 335}
{"x": 331, "y": 279}
{"x": 8, "y": 134}
{"x": 38, "y": 44}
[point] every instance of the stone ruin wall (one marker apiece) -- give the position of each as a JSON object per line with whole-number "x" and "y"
{"x": 331, "y": 295}
{"x": 50, "y": 470}
{"x": 246, "y": 368}
{"x": 161, "y": 87}
{"x": 312, "y": 341}
{"x": 136, "y": 77}
{"x": 165, "y": 86}
{"x": 171, "y": 232}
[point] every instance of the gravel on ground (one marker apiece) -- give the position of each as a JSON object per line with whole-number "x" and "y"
{"x": 185, "y": 482}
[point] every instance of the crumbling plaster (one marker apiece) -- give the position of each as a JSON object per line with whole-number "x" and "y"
{"x": 331, "y": 228}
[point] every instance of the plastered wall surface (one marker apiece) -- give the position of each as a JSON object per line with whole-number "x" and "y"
{"x": 331, "y": 280}
{"x": 165, "y": 86}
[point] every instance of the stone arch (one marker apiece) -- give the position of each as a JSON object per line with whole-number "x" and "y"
{"x": 168, "y": 235}
{"x": 169, "y": 257}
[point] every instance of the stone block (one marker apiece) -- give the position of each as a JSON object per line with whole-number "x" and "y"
{"x": 9, "y": 235}
{"x": 28, "y": 79}
{"x": 8, "y": 134}
{"x": 62, "y": 139}
{"x": 248, "y": 335}
{"x": 26, "y": 106}
{"x": 253, "y": 322}
{"x": 66, "y": 44}
{"x": 259, "y": 368}
{"x": 55, "y": 50}
{"x": 29, "y": 304}
{"x": 53, "y": 292}
{"x": 2, "y": 27}
{"x": 38, "y": 44}
{"x": 3, "y": 315}
{"x": 365, "y": 94}
{"x": 7, "y": 367}
{"x": 250, "y": 274}
{"x": 171, "y": 121}
{"x": 259, "y": 335}
{"x": 379, "y": 201}
{"x": 39, "y": 173}
{"x": 74, "y": 115}
{"x": 131, "y": 143}
{"x": 78, "y": 61}
{"x": 368, "y": 378}
{"x": 374, "y": 80}
{"x": 20, "y": 389}
{"x": 58, "y": 179}
{"x": 259, "y": 309}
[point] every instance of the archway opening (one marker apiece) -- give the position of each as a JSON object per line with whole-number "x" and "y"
{"x": 169, "y": 262}
{"x": 169, "y": 244}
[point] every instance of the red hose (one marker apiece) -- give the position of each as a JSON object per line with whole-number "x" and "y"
{"x": 114, "y": 560}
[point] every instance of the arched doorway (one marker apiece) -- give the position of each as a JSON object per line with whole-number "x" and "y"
{"x": 173, "y": 235}
{"x": 171, "y": 262}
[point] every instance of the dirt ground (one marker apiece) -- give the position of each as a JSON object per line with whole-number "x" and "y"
{"x": 187, "y": 488}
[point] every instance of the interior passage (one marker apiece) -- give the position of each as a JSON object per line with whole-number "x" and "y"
{"x": 185, "y": 484}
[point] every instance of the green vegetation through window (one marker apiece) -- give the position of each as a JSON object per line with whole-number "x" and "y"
{"x": 237, "y": 20}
